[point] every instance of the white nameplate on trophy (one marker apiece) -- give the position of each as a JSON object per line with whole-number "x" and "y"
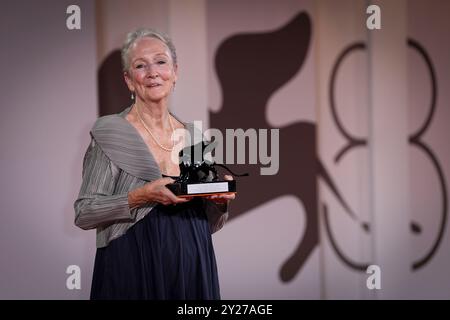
{"x": 207, "y": 187}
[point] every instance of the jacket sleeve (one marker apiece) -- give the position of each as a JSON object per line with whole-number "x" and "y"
{"x": 97, "y": 205}
{"x": 217, "y": 214}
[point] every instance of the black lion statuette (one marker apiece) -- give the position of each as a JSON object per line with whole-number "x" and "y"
{"x": 195, "y": 168}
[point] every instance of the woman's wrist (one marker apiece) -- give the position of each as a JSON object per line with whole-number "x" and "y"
{"x": 136, "y": 198}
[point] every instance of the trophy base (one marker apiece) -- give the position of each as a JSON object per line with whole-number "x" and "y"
{"x": 186, "y": 189}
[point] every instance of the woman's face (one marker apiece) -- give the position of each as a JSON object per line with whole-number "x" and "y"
{"x": 151, "y": 74}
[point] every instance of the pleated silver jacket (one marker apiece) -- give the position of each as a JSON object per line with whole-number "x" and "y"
{"x": 117, "y": 161}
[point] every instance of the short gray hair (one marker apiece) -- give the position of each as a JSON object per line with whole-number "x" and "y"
{"x": 140, "y": 33}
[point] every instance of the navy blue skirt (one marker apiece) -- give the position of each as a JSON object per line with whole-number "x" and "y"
{"x": 167, "y": 255}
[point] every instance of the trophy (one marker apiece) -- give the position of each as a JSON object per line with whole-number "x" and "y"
{"x": 199, "y": 177}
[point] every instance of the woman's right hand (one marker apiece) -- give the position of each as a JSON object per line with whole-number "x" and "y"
{"x": 156, "y": 191}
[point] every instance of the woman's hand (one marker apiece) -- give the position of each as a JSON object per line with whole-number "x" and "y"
{"x": 223, "y": 198}
{"x": 155, "y": 191}
{"x": 158, "y": 192}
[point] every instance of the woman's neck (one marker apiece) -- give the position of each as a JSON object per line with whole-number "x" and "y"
{"x": 154, "y": 114}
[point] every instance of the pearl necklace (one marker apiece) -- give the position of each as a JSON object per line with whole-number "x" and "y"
{"x": 151, "y": 134}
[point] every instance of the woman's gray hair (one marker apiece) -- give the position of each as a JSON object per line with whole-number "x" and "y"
{"x": 138, "y": 34}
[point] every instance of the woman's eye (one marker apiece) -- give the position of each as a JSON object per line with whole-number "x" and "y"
{"x": 161, "y": 62}
{"x": 139, "y": 66}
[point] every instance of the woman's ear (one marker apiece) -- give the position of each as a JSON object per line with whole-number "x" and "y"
{"x": 175, "y": 71}
{"x": 128, "y": 81}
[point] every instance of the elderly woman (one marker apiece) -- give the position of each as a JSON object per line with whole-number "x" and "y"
{"x": 151, "y": 244}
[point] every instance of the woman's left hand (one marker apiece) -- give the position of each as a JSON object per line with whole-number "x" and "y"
{"x": 223, "y": 198}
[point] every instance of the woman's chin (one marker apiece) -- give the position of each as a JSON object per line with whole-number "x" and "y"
{"x": 157, "y": 98}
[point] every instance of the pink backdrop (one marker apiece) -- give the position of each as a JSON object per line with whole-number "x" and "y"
{"x": 382, "y": 94}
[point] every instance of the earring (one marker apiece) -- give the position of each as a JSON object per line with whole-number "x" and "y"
{"x": 173, "y": 88}
{"x": 132, "y": 96}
